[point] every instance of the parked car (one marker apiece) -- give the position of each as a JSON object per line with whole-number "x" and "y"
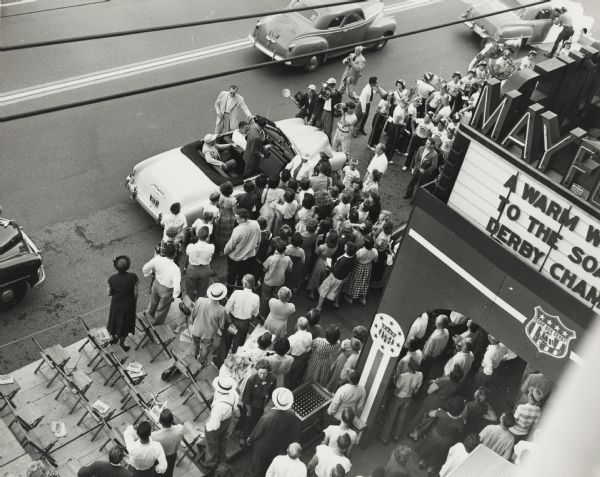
{"x": 20, "y": 264}
{"x": 314, "y": 31}
{"x": 182, "y": 174}
{"x": 517, "y": 28}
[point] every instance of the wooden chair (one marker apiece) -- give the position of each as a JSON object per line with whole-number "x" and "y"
{"x": 159, "y": 334}
{"x": 191, "y": 436}
{"x": 203, "y": 397}
{"x": 7, "y": 393}
{"x": 42, "y": 440}
{"x": 189, "y": 367}
{"x": 95, "y": 337}
{"x": 28, "y": 417}
{"x": 78, "y": 383}
{"x": 55, "y": 357}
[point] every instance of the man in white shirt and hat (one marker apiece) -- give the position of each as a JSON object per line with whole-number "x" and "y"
{"x": 275, "y": 430}
{"x": 208, "y": 321}
{"x": 223, "y": 408}
{"x": 228, "y": 106}
{"x": 218, "y": 155}
{"x": 166, "y": 285}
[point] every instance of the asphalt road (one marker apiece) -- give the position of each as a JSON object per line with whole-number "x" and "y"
{"x": 62, "y": 174}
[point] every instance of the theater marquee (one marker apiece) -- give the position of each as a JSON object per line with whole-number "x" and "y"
{"x": 535, "y": 223}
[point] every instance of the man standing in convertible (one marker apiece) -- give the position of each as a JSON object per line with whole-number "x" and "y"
{"x": 255, "y": 150}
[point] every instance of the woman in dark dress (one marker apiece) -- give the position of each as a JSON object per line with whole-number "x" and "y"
{"x": 122, "y": 287}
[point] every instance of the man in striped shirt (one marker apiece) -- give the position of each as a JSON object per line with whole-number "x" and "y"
{"x": 527, "y": 415}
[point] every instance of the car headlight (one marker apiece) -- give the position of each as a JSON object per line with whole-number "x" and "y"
{"x": 292, "y": 46}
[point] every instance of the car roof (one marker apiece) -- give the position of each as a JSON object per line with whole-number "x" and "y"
{"x": 336, "y": 10}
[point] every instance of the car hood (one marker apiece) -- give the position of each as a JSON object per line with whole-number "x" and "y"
{"x": 491, "y": 24}
{"x": 307, "y": 140}
{"x": 156, "y": 176}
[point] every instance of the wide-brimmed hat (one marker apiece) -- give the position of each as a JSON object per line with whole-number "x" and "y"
{"x": 217, "y": 291}
{"x": 312, "y": 87}
{"x": 283, "y": 399}
{"x": 224, "y": 384}
{"x": 331, "y": 81}
{"x": 210, "y": 137}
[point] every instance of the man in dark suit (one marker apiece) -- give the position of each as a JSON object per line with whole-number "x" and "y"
{"x": 112, "y": 468}
{"x": 425, "y": 164}
{"x": 255, "y": 150}
{"x": 306, "y": 102}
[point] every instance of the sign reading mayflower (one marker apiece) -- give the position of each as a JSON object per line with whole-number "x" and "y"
{"x": 387, "y": 335}
{"x": 549, "y": 334}
{"x": 537, "y": 224}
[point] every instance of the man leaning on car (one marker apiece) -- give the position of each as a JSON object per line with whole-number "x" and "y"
{"x": 217, "y": 155}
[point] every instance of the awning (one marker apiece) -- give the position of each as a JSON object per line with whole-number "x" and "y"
{"x": 483, "y": 462}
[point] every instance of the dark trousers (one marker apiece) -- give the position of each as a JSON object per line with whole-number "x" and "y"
{"x": 249, "y": 421}
{"x": 415, "y": 143}
{"x": 215, "y": 444}
{"x": 379, "y": 122}
{"x": 417, "y": 181}
{"x": 236, "y": 269}
{"x": 293, "y": 377}
{"x": 564, "y": 35}
{"x": 171, "y": 459}
{"x": 239, "y": 338}
{"x": 361, "y": 117}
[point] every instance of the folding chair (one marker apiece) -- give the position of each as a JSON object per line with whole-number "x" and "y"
{"x": 8, "y": 392}
{"x": 160, "y": 334}
{"x": 28, "y": 417}
{"x": 189, "y": 367}
{"x": 202, "y": 397}
{"x": 117, "y": 361}
{"x": 42, "y": 440}
{"x": 100, "y": 418}
{"x": 55, "y": 357}
{"x": 142, "y": 398}
{"x": 95, "y": 337}
{"x": 191, "y": 435}
{"x": 78, "y": 383}
{"x": 115, "y": 436}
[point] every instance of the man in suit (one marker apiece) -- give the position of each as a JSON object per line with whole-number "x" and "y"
{"x": 112, "y": 468}
{"x": 425, "y": 166}
{"x": 306, "y": 102}
{"x": 228, "y": 106}
{"x": 255, "y": 150}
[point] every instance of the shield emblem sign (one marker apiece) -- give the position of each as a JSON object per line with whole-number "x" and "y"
{"x": 549, "y": 334}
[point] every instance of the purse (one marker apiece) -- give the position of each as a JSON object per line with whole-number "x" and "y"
{"x": 232, "y": 329}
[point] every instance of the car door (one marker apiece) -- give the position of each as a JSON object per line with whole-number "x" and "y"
{"x": 354, "y": 28}
{"x": 541, "y": 24}
{"x": 333, "y": 34}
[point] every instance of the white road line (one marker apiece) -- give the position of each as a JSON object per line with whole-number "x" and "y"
{"x": 19, "y": 2}
{"x": 16, "y": 96}
{"x": 477, "y": 284}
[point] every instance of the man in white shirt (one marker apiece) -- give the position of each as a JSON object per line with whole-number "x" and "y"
{"x": 364, "y": 104}
{"x": 348, "y": 396}
{"x": 144, "y": 452}
{"x": 528, "y": 62}
{"x": 169, "y": 437}
{"x": 241, "y": 308}
{"x": 224, "y": 406}
{"x": 288, "y": 465}
{"x": 197, "y": 274}
{"x": 345, "y": 124}
{"x": 463, "y": 359}
{"x": 239, "y": 135}
{"x": 345, "y": 427}
{"x": 218, "y": 155}
{"x": 492, "y": 358}
{"x": 166, "y": 285}
{"x": 379, "y": 160}
{"x": 300, "y": 167}
{"x": 300, "y": 347}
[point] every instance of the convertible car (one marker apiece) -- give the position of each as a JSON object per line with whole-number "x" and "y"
{"x": 517, "y": 28}
{"x": 314, "y": 31}
{"x": 183, "y": 175}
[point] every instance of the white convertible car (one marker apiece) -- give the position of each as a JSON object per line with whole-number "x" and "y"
{"x": 182, "y": 175}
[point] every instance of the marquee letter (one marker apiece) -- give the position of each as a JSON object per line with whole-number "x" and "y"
{"x": 483, "y": 118}
{"x": 523, "y": 134}
{"x": 552, "y": 140}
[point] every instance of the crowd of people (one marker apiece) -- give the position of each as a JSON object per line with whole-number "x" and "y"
{"x": 324, "y": 233}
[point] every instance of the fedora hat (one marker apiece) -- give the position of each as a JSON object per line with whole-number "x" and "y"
{"x": 283, "y": 399}
{"x": 216, "y": 292}
{"x": 224, "y": 384}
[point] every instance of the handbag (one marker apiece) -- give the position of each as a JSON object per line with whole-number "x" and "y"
{"x": 232, "y": 329}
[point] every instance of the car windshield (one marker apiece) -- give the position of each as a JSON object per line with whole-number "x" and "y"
{"x": 9, "y": 235}
{"x": 310, "y": 15}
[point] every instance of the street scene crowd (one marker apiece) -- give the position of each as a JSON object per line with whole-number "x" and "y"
{"x": 324, "y": 233}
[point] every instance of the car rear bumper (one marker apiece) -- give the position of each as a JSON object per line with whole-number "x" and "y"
{"x": 266, "y": 51}
{"x": 134, "y": 195}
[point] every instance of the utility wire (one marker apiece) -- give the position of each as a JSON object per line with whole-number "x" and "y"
{"x": 75, "y": 104}
{"x": 175, "y": 26}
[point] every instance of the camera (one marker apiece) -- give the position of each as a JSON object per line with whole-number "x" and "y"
{"x": 348, "y": 58}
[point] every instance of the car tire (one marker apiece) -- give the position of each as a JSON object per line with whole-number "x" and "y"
{"x": 381, "y": 42}
{"x": 12, "y": 294}
{"x": 313, "y": 63}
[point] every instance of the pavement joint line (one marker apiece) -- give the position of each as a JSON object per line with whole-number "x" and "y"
{"x": 16, "y": 96}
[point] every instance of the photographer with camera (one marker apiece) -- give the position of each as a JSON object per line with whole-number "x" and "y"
{"x": 355, "y": 64}
{"x": 306, "y": 102}
{"x": 346, "y": 122}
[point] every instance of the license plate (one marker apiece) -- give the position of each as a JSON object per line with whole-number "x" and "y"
{"x": 154, "y": 201}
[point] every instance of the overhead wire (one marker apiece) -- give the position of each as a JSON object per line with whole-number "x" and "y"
{"x": 137, "y": 31}
{"x": 241, "y": 69}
